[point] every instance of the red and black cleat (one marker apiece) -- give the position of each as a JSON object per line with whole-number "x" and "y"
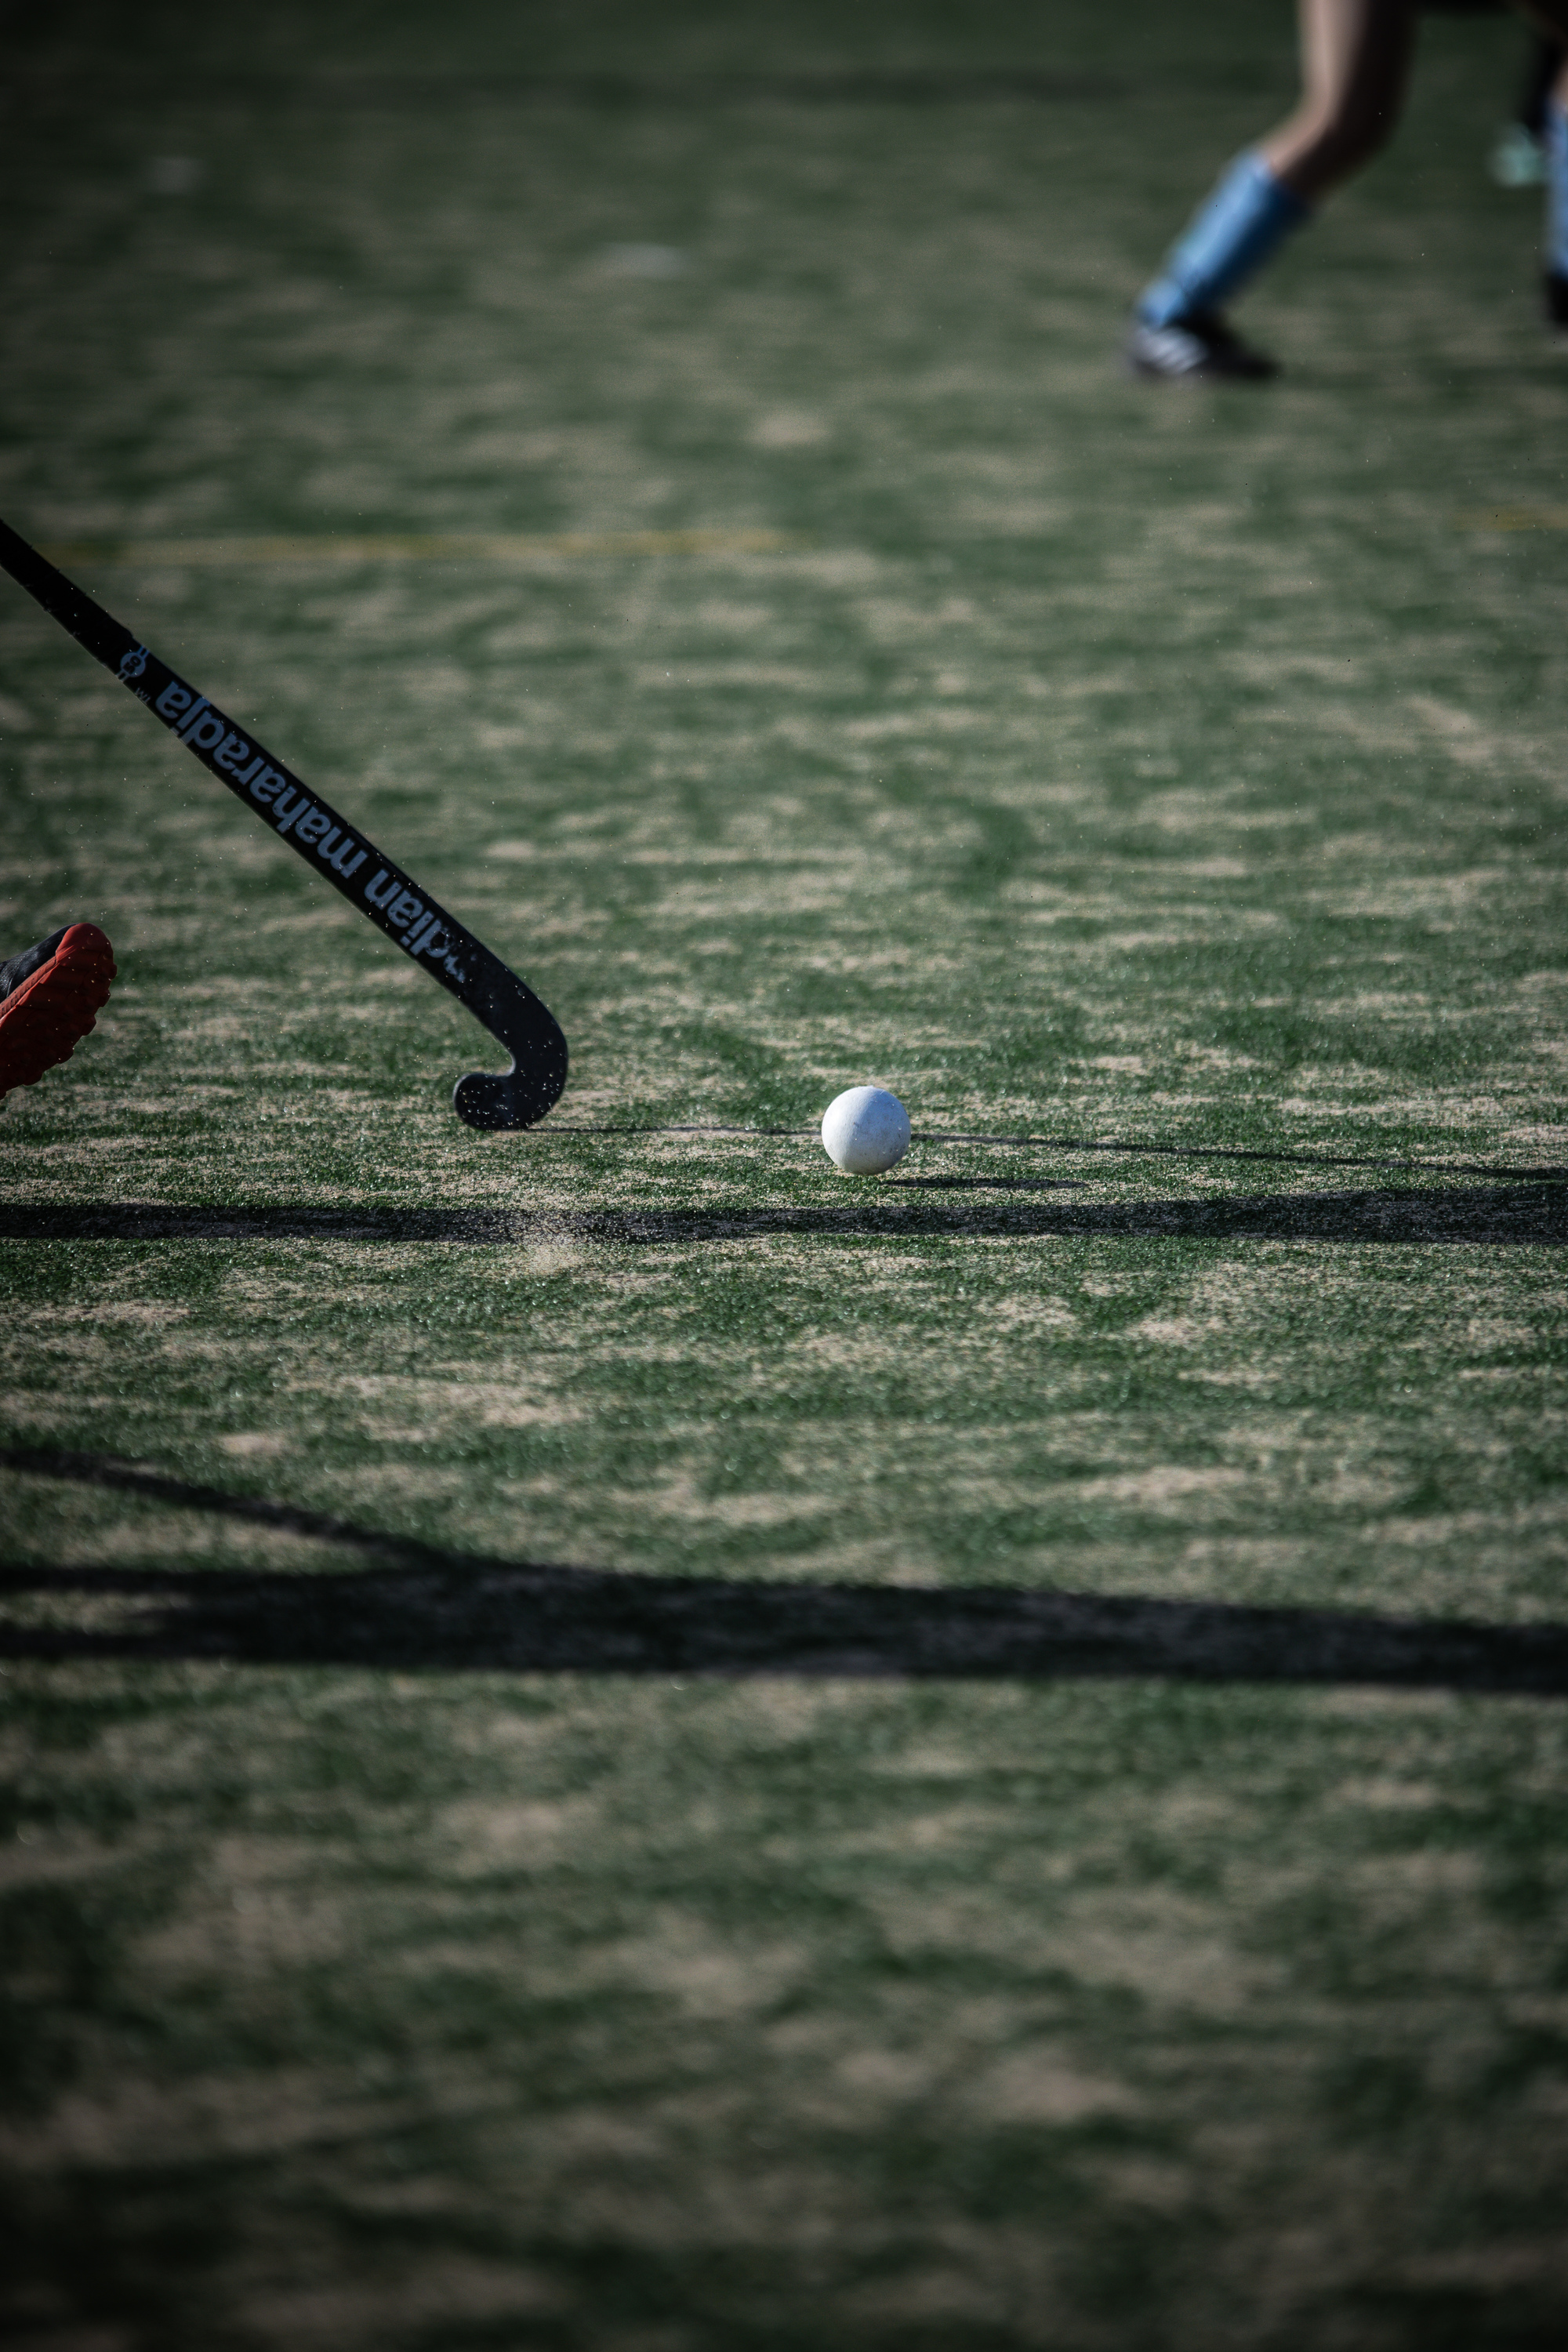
{"x": 50, "y": 996}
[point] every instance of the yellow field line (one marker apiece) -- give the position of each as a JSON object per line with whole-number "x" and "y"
{"x": 415, "y": 547}
{"x": 525, "y": 547}
{"x": 1515, "y": 519}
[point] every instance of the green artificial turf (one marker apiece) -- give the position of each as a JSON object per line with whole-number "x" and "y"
{"x": 1180, "y": 772}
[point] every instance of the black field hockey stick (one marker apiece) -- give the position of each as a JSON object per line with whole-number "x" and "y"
{"x": 434, "y": 940}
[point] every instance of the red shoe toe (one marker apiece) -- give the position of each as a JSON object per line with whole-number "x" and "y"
{"x": 46, "y": 1018}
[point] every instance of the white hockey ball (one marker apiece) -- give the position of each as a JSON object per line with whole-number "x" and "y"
{"x": 865, "y": 1130}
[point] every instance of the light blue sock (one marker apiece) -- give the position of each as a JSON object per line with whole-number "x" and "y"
{"x": 1556, "y": 190}
{"x": 1233, "y": 234}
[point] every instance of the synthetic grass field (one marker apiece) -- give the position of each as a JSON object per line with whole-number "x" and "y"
{"x": 404, "y": 1953}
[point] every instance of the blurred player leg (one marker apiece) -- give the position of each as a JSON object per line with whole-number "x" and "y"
{"x": 1355, "y": 69}
{"x": 1355, "y": 64}
{"x": 1557, "y": 204}
{"x": 1518, "y": 159}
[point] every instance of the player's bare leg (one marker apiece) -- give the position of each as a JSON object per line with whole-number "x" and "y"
{"x": 1355, "y": 69}
{"x": 1355, "y": 64}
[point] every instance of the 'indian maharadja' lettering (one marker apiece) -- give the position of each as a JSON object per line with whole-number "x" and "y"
{"x": 221, "y": 747}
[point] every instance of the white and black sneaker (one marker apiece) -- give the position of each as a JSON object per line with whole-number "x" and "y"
{"x": 1197, "y": 347}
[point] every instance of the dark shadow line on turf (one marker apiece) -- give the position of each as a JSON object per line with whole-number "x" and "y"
{"x": 542, "y": 1133}
{"x": 1490, "y": 1216}
{"x": 458, "y": 1611}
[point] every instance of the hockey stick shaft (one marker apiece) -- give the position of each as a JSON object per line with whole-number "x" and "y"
{"x": 340, "y": 854}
